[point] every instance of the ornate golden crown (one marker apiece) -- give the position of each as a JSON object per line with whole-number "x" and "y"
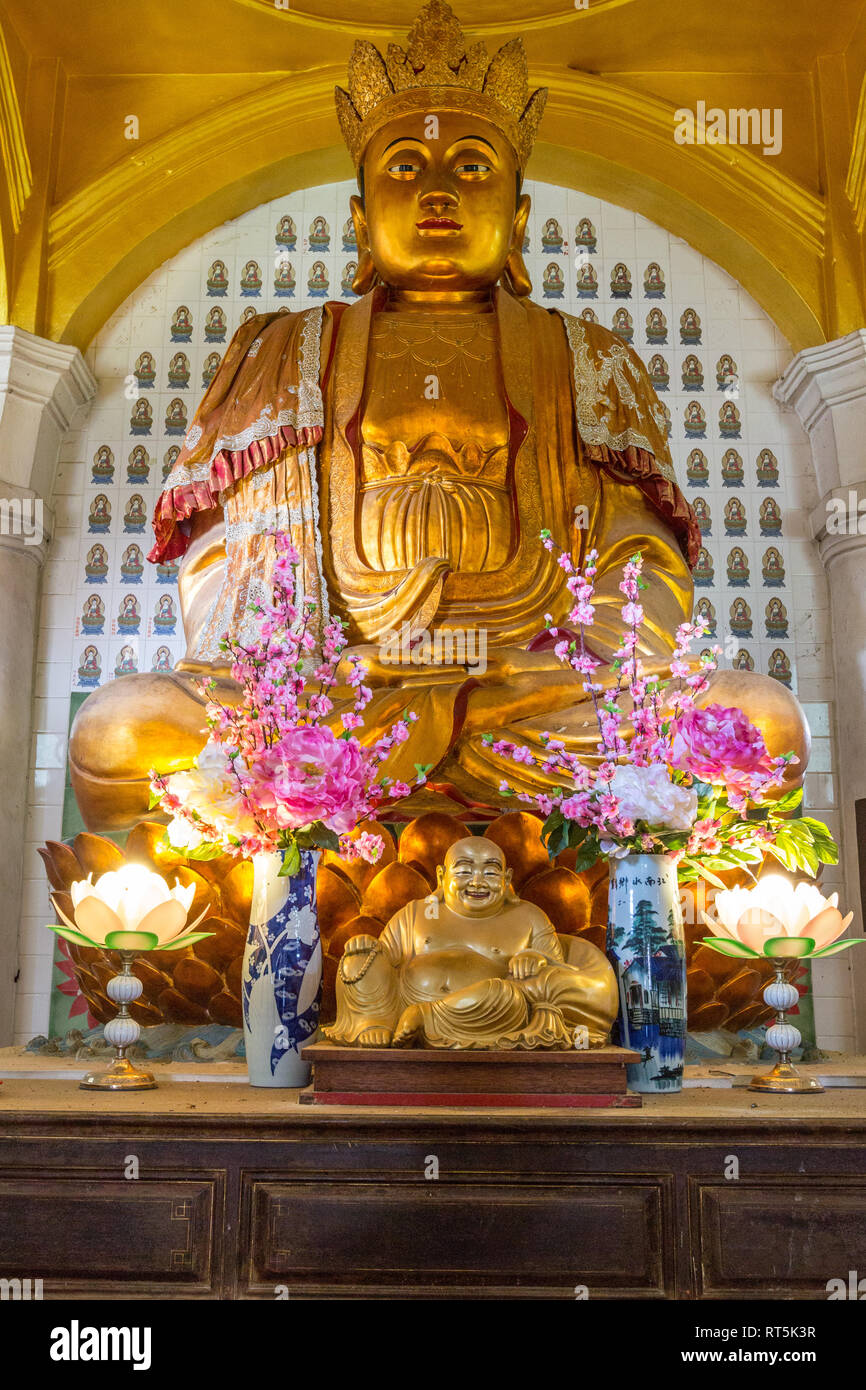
{"x": 438, "y": 71}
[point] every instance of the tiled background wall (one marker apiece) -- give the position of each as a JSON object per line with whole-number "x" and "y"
{"x": 712, "y": 352}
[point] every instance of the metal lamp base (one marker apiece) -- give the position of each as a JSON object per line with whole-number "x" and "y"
{"x": 120, "y": 1076}
{"x": 784, "y": 1079}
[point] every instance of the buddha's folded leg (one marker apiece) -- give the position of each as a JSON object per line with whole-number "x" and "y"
{"x": 489, "y": 1015}
{"x": 369, "y": 1005}
{"x": 582, "y": 998}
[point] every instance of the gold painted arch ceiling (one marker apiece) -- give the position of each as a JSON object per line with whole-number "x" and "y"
{"x": 247, "y": 114}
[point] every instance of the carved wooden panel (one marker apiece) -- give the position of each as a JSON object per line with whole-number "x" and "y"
{"x": 783, "y": 1239}
{"x": 111, "y": 1237}
{"x": 500, "y": 1237}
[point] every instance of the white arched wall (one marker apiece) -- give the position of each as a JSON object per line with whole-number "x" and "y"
{"x": 730, "y": 323}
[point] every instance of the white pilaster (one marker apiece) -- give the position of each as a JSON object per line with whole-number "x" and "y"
{"x": 826, "y": 386}
{"x": 42, "y": 386}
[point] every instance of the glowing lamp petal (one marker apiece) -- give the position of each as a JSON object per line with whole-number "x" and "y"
{"x": 95, "y": 919}
{"x": 183, "y": 895}
{"x": 757, "y": 924}
{"x": 825, "y": 927}
{"x": 165, "y": 920}
{"x": 717, "y": 925}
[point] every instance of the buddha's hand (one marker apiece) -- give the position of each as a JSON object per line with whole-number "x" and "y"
{"x": 355, "y": 955}
{"x": 526, "y": 964}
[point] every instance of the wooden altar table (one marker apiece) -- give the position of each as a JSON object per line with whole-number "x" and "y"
{"x": 245, "y": 1194}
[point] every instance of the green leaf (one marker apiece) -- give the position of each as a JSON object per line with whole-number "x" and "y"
{"x": 557, "y": 837}
{"x": 793, "y": 946}
{"x": 323, "y": 837}
{"x": 188, "y": 940}
{"x": 78, "y": 937}
{"x": 782, "y": 850}
{"x": 701, "y": 868}
{"x": 202, "y": 852}
{"x": 726, "y": 946}
{"x": 291, "y": 861}
{"x": 789, "y": 801}
{"x": 132, "y": 941}
{"x": 154, "y": 799}
{"x": 587, "y": 855}
{"x": 837, "y": 946}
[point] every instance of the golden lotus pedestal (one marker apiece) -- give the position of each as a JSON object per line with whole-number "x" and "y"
{"x": 120, "y": 1076}
{"x": 430, "y": 1076}
{"x": 785, "y": 1080}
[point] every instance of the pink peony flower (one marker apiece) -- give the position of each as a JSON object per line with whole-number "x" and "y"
{"x": 722, "y": 746}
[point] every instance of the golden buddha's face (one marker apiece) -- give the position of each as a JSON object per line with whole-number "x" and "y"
{"x": 474, "y": 879}
{"x": 440, "y": 214}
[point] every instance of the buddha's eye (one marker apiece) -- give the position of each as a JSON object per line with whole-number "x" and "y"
{"x": 404, "y": 169}
{"x": 472, "y": 169}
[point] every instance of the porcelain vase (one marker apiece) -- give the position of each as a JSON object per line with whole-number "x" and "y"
{"x": 646, "y": 947}
{"x": 281, "y": 985}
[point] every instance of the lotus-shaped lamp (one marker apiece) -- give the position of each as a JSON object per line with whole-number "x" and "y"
{"x": 130, "y": 909}
{"x": 777, "y": 919}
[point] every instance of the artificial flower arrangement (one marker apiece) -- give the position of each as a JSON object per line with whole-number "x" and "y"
{"x": 692, "y": 782}
{"x": 273, "y": 775}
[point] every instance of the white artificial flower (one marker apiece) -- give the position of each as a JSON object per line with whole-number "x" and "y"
{"x": 648, "y": 794}
{"x": 184, "y": 834}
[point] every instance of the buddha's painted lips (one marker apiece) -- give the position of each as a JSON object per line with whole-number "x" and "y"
{"x": 439, "y": 224}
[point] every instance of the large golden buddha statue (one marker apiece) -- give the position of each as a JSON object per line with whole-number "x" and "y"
{"x": 413, "y": 445}
{"x": 471, "y": 966}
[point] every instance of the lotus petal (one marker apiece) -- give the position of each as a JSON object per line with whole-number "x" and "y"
{"x": 72, "y": 935}
{"x": 82, "y": 888}
{"x": 792, "y": 946}
{"x": 95, "y": 918}
{"x": 840, "y": 946}
{"x": 61, "y": 914}
{"x": 132, "y": 941}
{"x": 756, "y": 925}
{"x": 61, "y": 865}
{"x": 827, "y": 926}
{"x": 188, "y": 939}
{"x": 728, "y": 947}
{"x": 716, "y": 925}
{"x": 96, "y": 854}
{"x": 190, "y": 926}
{"x": 183, "y": 895}
{"x": 166, "y": 920}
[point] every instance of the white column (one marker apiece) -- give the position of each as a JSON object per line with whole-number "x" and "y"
{"x": 42, "y": 385}
{"x": 826, "y": 386}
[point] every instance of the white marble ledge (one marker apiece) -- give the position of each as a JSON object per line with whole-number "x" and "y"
{"x": 843, "y": 1070}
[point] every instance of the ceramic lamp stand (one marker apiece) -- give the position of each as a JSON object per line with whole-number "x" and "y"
{"x": 121, "y": 1032}
{"x": 784, "y": 1079}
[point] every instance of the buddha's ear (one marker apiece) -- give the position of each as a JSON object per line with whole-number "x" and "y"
{"x": 521, "y": 217}
{"x": 359, "y": 221}
{"x": 365, "y": 276}
{"x": 515, "y": 276}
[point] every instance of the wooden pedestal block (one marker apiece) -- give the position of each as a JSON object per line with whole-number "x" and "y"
{"x": 437, "y": 1076}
